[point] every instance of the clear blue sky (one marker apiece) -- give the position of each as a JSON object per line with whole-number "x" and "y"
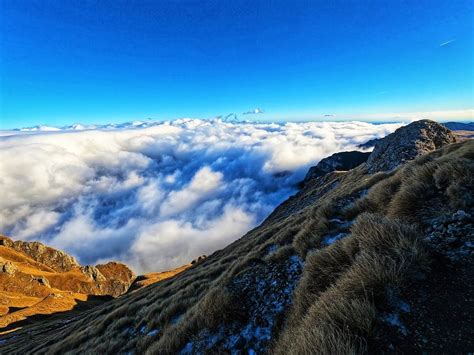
{"x": 64, "y": 62}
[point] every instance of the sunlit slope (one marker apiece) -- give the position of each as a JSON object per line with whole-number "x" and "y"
{"x": 38, "y": 280}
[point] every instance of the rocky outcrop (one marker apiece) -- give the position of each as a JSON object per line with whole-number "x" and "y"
{"x": 339, "y": 161}
{"x": 119, "y": 277}
{"x": 55, "y": 259}
{"x": 93, "y": 273}
{"x": 407, "y": 143}
{"x": 198, "y": 259}
{"x": 7, "y": 267}
{"x": 42, "y": 281}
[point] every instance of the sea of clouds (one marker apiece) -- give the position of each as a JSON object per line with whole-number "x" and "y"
{"x": 157, "y": 196}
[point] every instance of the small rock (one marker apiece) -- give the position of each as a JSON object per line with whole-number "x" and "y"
{"x": 7, "y": 267}
{"x": 42, "y": 280}
{"x": 461, "y": 215}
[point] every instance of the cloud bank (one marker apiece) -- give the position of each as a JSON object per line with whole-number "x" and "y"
{"x": 159, "y": 195}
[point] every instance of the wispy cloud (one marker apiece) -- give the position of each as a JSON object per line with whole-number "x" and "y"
{"x": 254, "y": 111}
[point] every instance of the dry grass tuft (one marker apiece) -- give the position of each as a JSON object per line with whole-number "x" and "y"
{"x": 353, "y": 271}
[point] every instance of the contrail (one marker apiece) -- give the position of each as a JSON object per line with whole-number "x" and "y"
{"x": 446, "y": 43}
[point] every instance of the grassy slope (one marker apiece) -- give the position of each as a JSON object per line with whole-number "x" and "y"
{"x": 154, "y": 277}
{"x": 380, "y": 221}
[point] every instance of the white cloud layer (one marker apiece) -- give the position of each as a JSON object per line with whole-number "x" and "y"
{"x": 157, "y": 196}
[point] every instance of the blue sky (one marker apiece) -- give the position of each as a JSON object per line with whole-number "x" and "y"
{"x": 64, "y": 62}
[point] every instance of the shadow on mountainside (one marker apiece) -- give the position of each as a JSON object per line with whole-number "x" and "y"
{"x": 434, "y": 312}
{"x": 54, "y": 318}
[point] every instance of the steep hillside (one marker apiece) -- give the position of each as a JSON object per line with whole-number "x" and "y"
{"x": 38, "y": 280}
{"x": 354, "y": 262}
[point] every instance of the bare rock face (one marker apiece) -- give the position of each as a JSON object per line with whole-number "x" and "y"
{"x": 111, "y": 279}
{"x": 338, "y": 161}
{"x": 55, "y": 259}
{"x": 118, "y": 277}
{"x": 7, "y": 267}
{"x": 93, "y": 273}
{"x": 116, "y": 271}
{"x": 407, "y": 143}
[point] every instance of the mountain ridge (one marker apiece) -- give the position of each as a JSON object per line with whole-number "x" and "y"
{"x": 325, "y": 272}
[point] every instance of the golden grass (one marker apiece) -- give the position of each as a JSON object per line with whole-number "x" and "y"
{"x": 154, "y": 277}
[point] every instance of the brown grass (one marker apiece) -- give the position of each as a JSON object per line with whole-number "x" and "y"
{"x": 154, "y": 277}
{"x": 353, "y": 271}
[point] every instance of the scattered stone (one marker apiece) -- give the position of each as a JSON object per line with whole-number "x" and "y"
{"x": 452, "y": 235}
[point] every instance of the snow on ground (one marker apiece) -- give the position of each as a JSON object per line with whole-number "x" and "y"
{"x": 266, "y": 292}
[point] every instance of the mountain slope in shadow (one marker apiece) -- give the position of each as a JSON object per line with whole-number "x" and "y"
{"x": 354, "y": 262}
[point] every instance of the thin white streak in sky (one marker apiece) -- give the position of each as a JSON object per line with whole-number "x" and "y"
{"x": 446, "y": 43}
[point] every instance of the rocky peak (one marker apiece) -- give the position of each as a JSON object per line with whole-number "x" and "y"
{"x": 407, "y": 143}
{"x": 55, "y": 259}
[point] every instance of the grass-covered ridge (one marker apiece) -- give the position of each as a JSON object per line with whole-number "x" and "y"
{"x": 312, "y": 278}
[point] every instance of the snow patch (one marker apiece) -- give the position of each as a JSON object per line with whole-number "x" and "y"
{"x": 332, "y": 238}
{"x": 266, "y": 292}
{"x": 272, "y": 249}
{"x": 393, "y": 319}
